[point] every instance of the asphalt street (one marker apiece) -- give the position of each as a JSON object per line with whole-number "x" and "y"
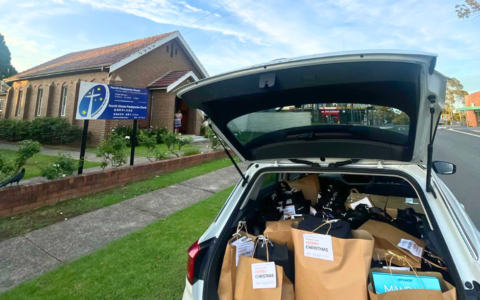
{"x": 461, "y": 146}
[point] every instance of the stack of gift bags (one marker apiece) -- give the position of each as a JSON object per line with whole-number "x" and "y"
{"x": 310, "y": 257}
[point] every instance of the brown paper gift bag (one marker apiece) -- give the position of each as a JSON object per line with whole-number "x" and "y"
{"x": 244, "y": 282}
{"x": 356, "y": 196}
{"x": 280, "y": 233}
{"x": 309, "y": 185}
{"x": 345, "y": 277}
{"x": 387, "y": 237}
{"x": 448, "y": 291}
{"x": 226, "y": 284}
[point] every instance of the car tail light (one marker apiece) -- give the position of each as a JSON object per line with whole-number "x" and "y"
{"x": 192, "y": 254}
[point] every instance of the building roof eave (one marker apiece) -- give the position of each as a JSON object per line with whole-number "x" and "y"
{"x": 157, "y": 44}
{"x": 55, "y": 74}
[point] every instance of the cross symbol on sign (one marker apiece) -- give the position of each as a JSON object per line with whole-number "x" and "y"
{"x": 91, "y": 95}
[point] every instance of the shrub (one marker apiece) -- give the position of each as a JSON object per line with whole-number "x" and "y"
{"x": 213, "y": 139}
{"x": 112, "y": 151}
{"x": 204, "y": 129}
{"x": 155, "y": 131}
{"x": 148, "y": 141}
{"x": 27, "y": 149}
{"x": 184, "y": 141}
{"x": 70, "y": 134}
{"x": 125, "y": 132}
{"x": 175, "y": 142}
{"x": 14, "y": 131}
{"x": 46, "y": 130}
{"x": 64, "y": 165}
{"x": 6, "y": 168}
{"x": 159, "y": 155}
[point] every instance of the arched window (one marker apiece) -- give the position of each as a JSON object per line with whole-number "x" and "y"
{"x": 63, "y": 100}
{"x": 19, "y": 103}
{"x": 39, "y": 101}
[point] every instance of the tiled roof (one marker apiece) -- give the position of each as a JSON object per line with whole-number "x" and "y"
{"x": 168, "y": 78}
{"x": 104, "y": 56}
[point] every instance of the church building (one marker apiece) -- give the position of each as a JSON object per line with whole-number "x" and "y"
{"x": 159, "y": 63}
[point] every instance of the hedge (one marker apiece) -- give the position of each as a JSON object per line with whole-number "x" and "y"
{"x": 47, "y": 130}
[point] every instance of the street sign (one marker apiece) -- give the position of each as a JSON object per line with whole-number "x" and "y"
{"x": 97, "y": 101}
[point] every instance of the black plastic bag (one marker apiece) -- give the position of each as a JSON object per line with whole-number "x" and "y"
{"x": 278, "y": 254}
{"x": 287, "y": 201}
{"x": 336, "y": 228}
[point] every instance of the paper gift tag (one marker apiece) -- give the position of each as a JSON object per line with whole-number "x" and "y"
{"x": 411, "y": 246}
{"x": 280, "y": 208}
{"x": 239, "y": 241}
{"x": 361, "y": 201}
{"x": 409, "y": 201}
{"x": 318, "y": 246}
{"x": 264, "y": 275}
{"x": 290, "y": 209}
{"x": 245, "y": 248}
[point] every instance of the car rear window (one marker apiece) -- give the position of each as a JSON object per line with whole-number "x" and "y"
{"x": 311, "y": 117}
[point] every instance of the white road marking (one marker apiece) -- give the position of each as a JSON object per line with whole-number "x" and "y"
{"x": 475, "y": 135}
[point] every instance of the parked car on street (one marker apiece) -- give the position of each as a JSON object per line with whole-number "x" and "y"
{"x": 264, "y": 114}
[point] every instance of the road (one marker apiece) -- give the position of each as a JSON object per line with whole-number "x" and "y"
{"x": 464, "y": 151}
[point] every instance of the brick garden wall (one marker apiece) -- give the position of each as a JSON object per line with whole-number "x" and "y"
{"x": 27, "y": 197}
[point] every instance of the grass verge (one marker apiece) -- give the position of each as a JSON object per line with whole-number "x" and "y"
{"x": 39, "y": 218}
{"x": 148, "y": 264}
{"x": 36, "y": 162}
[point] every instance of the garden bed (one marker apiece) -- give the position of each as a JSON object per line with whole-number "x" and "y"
{"x": 38, "y": 161}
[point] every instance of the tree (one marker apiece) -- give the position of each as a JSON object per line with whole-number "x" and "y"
{"x": 6, "y": 68}
{"x": 469, "y": 8}
{"x": 454, "y": 89}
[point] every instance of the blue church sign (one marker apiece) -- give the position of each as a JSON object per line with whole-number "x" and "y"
{"x": 97, "y": 101}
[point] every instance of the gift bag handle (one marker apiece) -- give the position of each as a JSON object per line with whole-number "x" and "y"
{"x": 403, "y": 259}
{"x": 241, "y": 225}
{"x": 328, "y": 230}
{"x": 265, "y": 242}
{"x": 432, "y": 263}
{"x": 352, "y": 192}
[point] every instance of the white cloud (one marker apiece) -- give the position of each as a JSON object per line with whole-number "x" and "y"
{"x": 189, "y": 8}
{"x": 247, "y": 32}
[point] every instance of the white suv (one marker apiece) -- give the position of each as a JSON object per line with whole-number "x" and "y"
{"x": 364, "y": 120}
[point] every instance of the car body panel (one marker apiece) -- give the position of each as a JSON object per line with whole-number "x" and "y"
{"x": 225, "y": 98}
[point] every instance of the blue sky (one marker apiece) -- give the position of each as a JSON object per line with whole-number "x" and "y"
{"x": 246, "y": 32}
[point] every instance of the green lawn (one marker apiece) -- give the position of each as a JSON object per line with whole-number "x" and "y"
{"x": 142, "y": 151}
{"x": 148, "y": 264}
{"x": 39, "y": 218}
{"x": 32, "y": 168}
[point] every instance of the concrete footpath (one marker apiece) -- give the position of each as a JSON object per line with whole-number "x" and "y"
{"x": 26, "y": 257}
